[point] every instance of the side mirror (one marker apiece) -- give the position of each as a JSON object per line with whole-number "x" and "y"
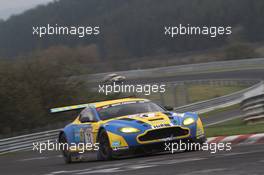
{"x": 168, "y": 108}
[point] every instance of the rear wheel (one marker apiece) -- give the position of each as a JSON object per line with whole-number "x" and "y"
{"x": 105, "y": 151}
{"x": 64, "y": 149}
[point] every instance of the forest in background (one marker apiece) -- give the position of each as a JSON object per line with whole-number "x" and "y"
{"x": 133, "y": 30}
{"x": 131, "y": 37}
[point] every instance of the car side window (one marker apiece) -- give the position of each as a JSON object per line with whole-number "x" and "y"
{"x": 87, "y": 115}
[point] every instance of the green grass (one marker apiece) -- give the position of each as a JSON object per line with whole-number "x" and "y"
{"x": 233, "y": 127}
{"x": 220, "y": 110}
{"x": 182, "y": 95}
{"x": 205, "y": 92}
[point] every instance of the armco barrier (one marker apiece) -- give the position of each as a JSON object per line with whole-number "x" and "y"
{"x": 219, "y": 102}
{"x": 177, "y": 94}
{"x": 253, "y": 107}
{"x": 25, "y": 142}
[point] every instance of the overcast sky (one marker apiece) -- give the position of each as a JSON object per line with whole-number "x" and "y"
{"x": 10, "y": 7}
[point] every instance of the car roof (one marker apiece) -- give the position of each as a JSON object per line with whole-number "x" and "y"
{"x": 109, "y": 102}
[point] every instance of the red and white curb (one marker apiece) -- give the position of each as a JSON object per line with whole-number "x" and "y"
{"x": 238, "y": 139}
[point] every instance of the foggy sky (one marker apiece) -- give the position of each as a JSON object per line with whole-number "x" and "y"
{"x": 10, "y": 7}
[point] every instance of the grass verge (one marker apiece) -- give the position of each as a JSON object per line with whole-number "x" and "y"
{"x": 233, "y": 127}
{"x": 220, "y": 110}
{"x": 205, "y": 92}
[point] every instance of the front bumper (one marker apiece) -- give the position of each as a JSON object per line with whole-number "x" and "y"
{"x": 163, "y": 134}
{"x": 154, "y": 147}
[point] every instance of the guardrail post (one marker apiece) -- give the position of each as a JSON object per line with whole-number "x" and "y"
{"x": 253, "y": 106}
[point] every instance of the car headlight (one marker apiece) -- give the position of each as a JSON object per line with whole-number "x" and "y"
{"x": 129, "y": 130}
{"x": 188, "y": 121}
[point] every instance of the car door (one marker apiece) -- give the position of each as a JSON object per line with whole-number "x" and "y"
{"x": 87, "y": 120}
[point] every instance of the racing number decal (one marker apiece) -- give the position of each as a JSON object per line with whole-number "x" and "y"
{"x": 86, "y": 135}
{"x": 81, "y": 135}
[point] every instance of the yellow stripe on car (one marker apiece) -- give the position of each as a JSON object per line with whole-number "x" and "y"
{"x": 200, "y": 129}
{"x": 116, "y": 138}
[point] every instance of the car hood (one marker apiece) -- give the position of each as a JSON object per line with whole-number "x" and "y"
{"x": 147, "y": 120}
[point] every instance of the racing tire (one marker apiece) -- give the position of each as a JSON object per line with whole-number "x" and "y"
{"x": 105, "y": 152}
{"x": 65, "y": 152}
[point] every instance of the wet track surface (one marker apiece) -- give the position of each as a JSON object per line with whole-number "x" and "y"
{"x": 239, "y": 74}
{"x": 249, "y": 74}
{"x": 242, "y": 159}
{"x": 222, "y": 116}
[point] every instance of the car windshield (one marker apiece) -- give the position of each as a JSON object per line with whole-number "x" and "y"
{"x": 127, "y": 108}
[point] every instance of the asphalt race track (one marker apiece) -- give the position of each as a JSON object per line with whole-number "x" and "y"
{"x": 32, "y": 162}
{"x": 242, "y": 159}
{"x": 257, "y": 74}
{"x": 222, "y": 116}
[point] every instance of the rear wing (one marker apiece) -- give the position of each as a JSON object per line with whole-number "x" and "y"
{"x": 74, "y": 107}
{"x": 68, "y": 108}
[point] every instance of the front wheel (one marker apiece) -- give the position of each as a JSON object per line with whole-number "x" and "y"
{"x": 105, "y": 151}
{"x": 64, "y": 149}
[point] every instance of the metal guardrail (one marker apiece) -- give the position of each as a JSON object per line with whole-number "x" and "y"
{"x": 178, "y": 95}
{"x": 25, "y": 142}
{"x": 227, "y": 100}
{"x": 253, "y": 106}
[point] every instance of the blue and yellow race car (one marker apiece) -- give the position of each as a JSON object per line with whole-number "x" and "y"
{"x": 125, "y": 126}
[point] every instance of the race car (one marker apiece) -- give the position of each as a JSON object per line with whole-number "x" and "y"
{"x": 126, "y": 126}
{"x": 113, "y": 78}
